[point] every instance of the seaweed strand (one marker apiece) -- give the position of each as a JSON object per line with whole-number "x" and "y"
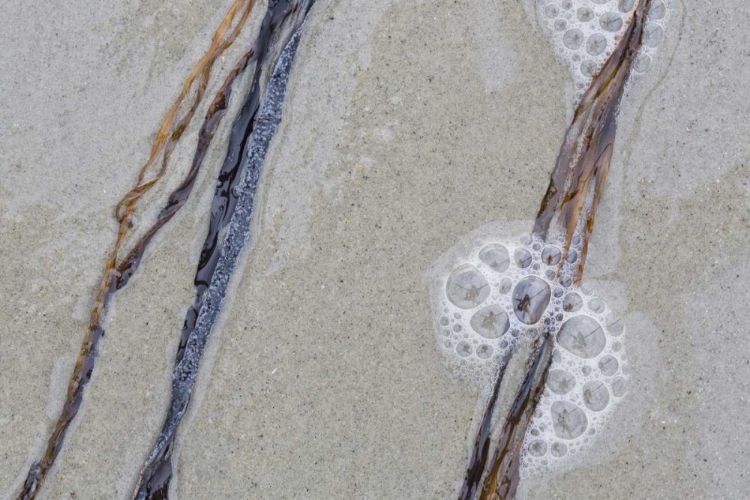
{"x": 229, "y": 226}
{"x": 568, "y": 209}
{"x": 114, "y": 276}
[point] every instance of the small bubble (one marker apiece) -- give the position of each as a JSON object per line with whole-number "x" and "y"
{"x": 484, "y": 351}
{"x": 466, "y": 287}
{"x": 444, "y": 321}
{"x": 595, "y": 395}
{"x": 561, "y": 381}
{"x": 586, "y": 370}
{"x": 505, "y": 285}
{"x": 617, "y": 346}
{"x": 463, "y": 349}
{"x": 625, "y": 5}
{"x": 573, "y": 38}
{"x": 652, "y": 35}
{"x": 490, "y": 322}
{"x": 456, "y": 328}
{"x": 658, "y": 10}
{"x": 550, "y": 274}
{"x": 566, "y": 281}
{"x": 582, "y": 336}
{"x": 551, "y": 255}
{"x": 595, "y": 45}
{"x": 572, "y": 302}
{"x": 596, "y": 306}
{"x": 560, "y": 24}
{"x": 642, "y": 63}
{"x": 559, "y": 450}
{"x": 531, "y": 297}
{"x": 567, "y": 4}
{"x": 496, "y": 256}
{"x": 522, "y": 257}
{"x": 572, "y": 256}
{"x": 537, "y": 247}
{"x": 608, "y": 365}
{"x": 568, "y": 420}
{"x": 551, "y": 11}
{"x": 585, "y": 14}
{"x": 559, "y": 292}
{"x": 611, "y": 21}
{"x": 538, "y": 448}
{"x": 619, "y": 387}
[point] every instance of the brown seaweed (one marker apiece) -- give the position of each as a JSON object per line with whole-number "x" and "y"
{"x": 568, "y": 208}
{"x": 229, "y": 226}
{"x": 116, "y": 275}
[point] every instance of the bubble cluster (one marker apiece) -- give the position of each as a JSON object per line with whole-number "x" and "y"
{"x": 498, "y": 293}
{"x": 584, "y": 33}
{"x": 587, "y": 379}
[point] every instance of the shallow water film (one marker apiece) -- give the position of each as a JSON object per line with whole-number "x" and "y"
{"x": 374, "y": 250}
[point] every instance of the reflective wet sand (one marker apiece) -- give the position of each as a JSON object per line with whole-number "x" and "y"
{"x": 408, "y": 126}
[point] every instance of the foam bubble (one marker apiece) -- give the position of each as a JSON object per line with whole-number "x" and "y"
{"x": 486, "y": 299}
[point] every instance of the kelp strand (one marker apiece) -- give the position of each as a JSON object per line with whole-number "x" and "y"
{"x": 569, "y": 209}
{"x": 229, "y": 228}
{"x": 115, "y": 275}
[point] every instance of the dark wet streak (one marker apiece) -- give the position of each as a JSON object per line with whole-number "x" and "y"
{"x": 568, "y": 207}
{"x": 229, "y": 227}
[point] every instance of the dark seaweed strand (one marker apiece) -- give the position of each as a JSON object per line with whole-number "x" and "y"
{"x": 578, "y": 172}
{"x": 503, "y": 477}
{"x": 180, "y": 195}
{"x": 483, "y": 441}
{"x": 231, "y": 215}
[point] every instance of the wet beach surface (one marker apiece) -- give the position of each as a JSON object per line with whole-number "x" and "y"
{"x": 407, "y": 126}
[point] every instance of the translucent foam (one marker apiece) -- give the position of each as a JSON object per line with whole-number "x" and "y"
{"x": 491, "y": 294}
{"x": 584, "y": 33}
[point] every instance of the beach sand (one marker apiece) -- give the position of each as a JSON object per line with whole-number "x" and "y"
{"x": 408, "y": 125}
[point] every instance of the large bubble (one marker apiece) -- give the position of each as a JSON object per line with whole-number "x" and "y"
{"x": 467, "y": 288}
{"x": 530, "y": 299}
{"x": 568, "y": 420}
{"x": 496, "y": 256}
{"x": 490, "y": 322}
{"x": 583, "y": 336}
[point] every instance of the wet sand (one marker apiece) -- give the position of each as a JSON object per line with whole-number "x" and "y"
{"x": 407, "y": 126}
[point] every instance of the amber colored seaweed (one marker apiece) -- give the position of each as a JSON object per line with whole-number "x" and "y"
{"x": 115, "y": 275}
{"x": 568, "y": 208}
